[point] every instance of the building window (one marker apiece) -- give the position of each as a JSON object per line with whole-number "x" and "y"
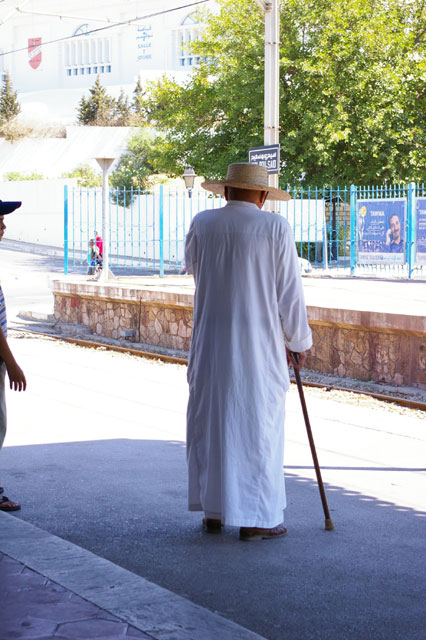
{"x": 3, "y": 70}
{"x": 188, "y": 32}
{"x": 87, "y": 51}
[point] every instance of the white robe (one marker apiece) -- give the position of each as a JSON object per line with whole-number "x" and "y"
{"x": 248, "y": 292}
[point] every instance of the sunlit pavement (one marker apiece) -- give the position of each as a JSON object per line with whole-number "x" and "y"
{"x": 95, "y": 454}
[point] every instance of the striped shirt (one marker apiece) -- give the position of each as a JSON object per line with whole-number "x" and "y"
{"x": 3, "y": 317}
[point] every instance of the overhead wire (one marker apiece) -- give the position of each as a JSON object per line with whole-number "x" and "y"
{"x": 109, "y": 26}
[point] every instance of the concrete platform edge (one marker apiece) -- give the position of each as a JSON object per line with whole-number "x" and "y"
{"x": 143, "y": 604}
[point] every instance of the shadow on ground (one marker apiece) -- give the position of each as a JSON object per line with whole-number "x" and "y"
{"x": 126, "y": 501}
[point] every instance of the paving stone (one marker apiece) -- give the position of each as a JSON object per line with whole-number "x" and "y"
{"x": 135, "y": 633}
{"x": 25, "y": 628}
{"x": 93, "y": 629}
{"x": 9, "y": 567}
{"x": 35, "y": 608}
{"x": 24, "y": 579}
{"x": 69, "y": 611}
{"x": 54, "y": 637}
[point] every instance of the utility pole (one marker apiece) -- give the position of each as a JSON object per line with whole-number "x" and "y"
{"x": 105, "y": 164}
{"x": 272, "y": 81}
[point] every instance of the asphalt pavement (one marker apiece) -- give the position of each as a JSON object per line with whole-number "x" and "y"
{"x": 95, "y": 454}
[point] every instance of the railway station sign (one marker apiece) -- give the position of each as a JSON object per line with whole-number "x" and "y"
{"x": 267, "y": 156}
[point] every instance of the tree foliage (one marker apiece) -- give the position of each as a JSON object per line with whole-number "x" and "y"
{"x": 15, "y": 176}
{"x": 9, "y": 105}
{"x": 101, "y": 109}
{"x": 134, "y": 167}
{"x": 352, "y": 92}
{"x": 96, "y": 110}
{"x": 86, "y": 176}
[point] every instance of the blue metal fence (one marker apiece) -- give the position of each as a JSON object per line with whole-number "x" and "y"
{"x": 148, "y": 229}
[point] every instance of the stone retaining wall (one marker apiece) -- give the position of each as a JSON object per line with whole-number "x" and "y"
{"x": 159, "y": 318}
{"x": 380, "y": 347}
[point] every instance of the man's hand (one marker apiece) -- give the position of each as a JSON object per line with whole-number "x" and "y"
{"x": 16, "y": 377}
{"x": 291, "y": 360}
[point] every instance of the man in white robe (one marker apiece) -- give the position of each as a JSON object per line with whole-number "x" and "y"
{"x": 249, "y": 310}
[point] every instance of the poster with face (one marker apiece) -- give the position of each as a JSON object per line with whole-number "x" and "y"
{"x": 381, "y": 231}
{"x": 421, "y": 230}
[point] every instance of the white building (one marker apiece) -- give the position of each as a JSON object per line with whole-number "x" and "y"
{"x": 54, "y": 49}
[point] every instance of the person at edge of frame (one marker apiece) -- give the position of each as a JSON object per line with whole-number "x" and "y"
{"x": 249, "y": 315}
{"x": 8, "y": 363}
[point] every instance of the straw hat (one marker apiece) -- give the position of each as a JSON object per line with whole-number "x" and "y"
{"x": 244, "y": 175}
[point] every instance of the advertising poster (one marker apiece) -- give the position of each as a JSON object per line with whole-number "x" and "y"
{"x": 381, "y": 231}
{"x": 421, "y": 230}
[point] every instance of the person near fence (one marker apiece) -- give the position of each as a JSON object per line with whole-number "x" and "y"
{"x": 8, "y": 363}
{"x": 99, "y": 244}
{"x": 249, "y": 315}
{"x": 94, "y": 259}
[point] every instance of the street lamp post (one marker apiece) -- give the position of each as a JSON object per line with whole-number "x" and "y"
{"x": 105, "y": 164}
{"x": 189, "y": 179}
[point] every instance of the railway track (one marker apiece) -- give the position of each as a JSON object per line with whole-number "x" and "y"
{"x": 405, "y": 402}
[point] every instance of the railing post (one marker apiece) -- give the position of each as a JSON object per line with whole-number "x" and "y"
{"x": 353, "y": 228}
{"x": 411, "y": 227}
{"x": 66, "y": 229}
{"x": 161, "y": 230}
{"x": 325, "y": 241}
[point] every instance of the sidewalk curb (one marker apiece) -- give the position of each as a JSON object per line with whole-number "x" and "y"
{"x": 152, "y": 609}
{"x": 38, "y": 316}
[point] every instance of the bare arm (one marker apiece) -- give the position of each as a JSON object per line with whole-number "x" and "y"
{"x": 16, "y": 375}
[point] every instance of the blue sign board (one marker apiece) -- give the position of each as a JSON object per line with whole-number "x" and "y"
{"x": 421, "y": 230}
{"x": 268, "y": 157}
{"x": 381, "y": 231}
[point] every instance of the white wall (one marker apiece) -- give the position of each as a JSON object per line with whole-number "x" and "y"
{"x": 51, "y": 157}
{"x": 40, "y": 219}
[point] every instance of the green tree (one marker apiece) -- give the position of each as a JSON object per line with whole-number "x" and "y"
{"x": 101, "y": 109}
{"x": 121, "y": 114}
{"x": 15, "y": 176}
{"x": 9, "y": 105}
{"x": 97, "y": 109}
{"x": 134, "y": 167}
{"x": 139, "y": 102}
{"x": 352, "y": 86}
{"x": 85, "y": 175}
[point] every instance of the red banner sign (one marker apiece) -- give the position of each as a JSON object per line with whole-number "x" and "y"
{"x": 34, "y": 52}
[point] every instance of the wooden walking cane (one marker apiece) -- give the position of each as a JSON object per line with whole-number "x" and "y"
{"x": 328, "y": 521}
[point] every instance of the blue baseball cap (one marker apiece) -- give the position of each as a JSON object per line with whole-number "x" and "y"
{"x": 8, "y": 207}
